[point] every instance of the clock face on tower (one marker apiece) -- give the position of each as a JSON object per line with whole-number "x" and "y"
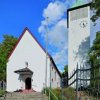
{"x": 83, "y": 24}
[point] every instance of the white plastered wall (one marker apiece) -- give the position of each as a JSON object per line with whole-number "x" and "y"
{"x": 55, "y": 78}
{"x": 27, "y": 50}
{"x": 76, "y": 35}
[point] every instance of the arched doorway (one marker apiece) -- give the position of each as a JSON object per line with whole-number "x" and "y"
{"x": 28, "y": 83}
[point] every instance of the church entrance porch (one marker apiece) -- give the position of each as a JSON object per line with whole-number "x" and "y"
{"x": 25, "y": 78}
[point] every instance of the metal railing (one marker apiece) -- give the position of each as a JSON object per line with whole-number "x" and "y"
{"x": 82, "y": 79}
{"x": 51, "y": 92}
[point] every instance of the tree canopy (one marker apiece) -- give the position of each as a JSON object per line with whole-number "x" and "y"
{"x": 94, "y": 53}
{"x": 96, "y": 8}
{"x": 5, "y": 48}
{"x": 94, "y": 59}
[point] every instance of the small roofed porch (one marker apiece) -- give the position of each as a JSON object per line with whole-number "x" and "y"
{"x": 25, "y": 77}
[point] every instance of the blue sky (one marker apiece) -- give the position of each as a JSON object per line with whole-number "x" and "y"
{"x": 15, "y": 15}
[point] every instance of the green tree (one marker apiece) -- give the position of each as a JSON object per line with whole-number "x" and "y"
{"x": 65, "y": 76}
{"x": 94, "y": 58}
{"x": 65, "y": 72}
{"x": 96, "y": 8}
{"x": 5, "y": 48}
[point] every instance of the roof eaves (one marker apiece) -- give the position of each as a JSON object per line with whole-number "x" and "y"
{"x": 55, "y": 66}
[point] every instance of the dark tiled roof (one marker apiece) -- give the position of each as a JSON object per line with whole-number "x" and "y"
{"x": 23, "y": 70}
{"x": 55, "y": 66}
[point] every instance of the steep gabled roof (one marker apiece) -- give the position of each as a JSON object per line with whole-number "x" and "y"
{"x": 26, "y": 29}
{"x": 55, "y": 66}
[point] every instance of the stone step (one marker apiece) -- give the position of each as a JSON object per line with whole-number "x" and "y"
{"x": 37, "y": 98}
{"x": 26, "y": 96}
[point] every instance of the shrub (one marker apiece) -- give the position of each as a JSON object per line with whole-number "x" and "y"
{"x": 2, "y": 92}
{"x": 65, "y": 93}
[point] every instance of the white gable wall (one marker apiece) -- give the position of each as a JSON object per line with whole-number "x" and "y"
{"x": 27, "y": 50}
{"x": 55, "y": 78}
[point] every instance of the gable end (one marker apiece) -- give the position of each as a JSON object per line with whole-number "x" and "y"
{"x": 26, "y": 29}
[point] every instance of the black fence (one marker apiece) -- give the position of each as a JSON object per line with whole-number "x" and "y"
{"x": 2, "y": 85}
{"x": 86, "y": 83}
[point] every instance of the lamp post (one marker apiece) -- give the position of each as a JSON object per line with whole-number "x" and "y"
{"x": 46, "y": 54}
{"x": 50, "y": 80}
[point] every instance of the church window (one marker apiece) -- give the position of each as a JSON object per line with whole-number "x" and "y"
{"x": 52, "y": 68}
{"x": 52, "y": 79}
{"x": 57, "y": 84}
{"x": 55, "y": 75}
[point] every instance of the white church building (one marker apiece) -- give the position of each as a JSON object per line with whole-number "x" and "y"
{"x": 26, "y": 66}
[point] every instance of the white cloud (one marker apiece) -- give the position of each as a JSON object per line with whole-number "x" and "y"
{"x": 54, "y": 11}
{"x": 62, "y": 54}
{"x": 58, "y": 34}
{"x": 57, "y": 31}
{"x": 94, "y": 30}
{"x": 61, "y": 58}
